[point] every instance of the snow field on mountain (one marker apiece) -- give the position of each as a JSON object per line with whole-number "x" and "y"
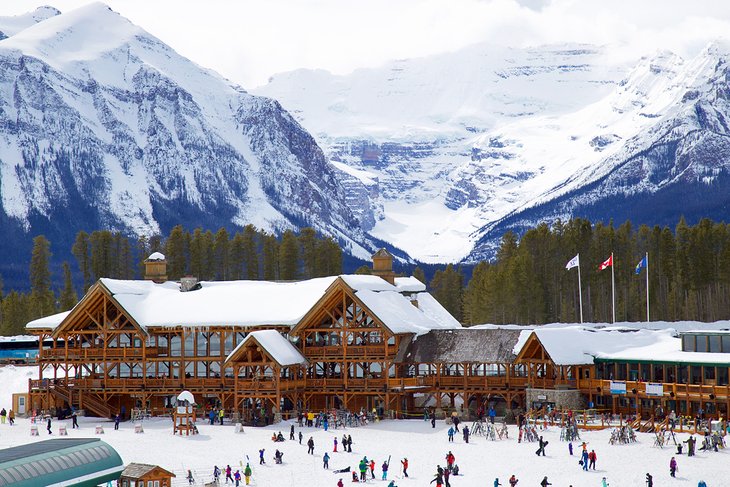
{"x": 481, "y": 460}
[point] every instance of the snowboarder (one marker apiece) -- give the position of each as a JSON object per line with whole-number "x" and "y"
{"x": 404, "y": 462}
{"x": 542, "y": 443}
{"x": 310, "y": 445}
{"x": 513, "y": 480}
{"x": 592, "y": 459}
{"x": 261, "y": 456}
{"x": 384, "y": 467}
{"x": 672, "y": 467}
{"x": 545, "y": 482}
{"x": 291, "y": 432}
{"x": 326, "y": 461}
{"x": 247, "y": 473}
{"x": 451, "y": 433}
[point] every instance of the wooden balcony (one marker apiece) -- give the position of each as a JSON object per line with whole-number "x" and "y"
{"x": 692, "y": 392}
{"x": 92, "y": 353}
{"x": 364, "y": 352}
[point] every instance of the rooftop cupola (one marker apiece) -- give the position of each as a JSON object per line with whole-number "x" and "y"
{"x": 155, "y": 268}
{"x": 383, "y": 265}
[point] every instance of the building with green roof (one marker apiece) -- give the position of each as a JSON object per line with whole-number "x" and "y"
{"x": 59, "y": 462}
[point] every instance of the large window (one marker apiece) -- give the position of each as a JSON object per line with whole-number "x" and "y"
{"x": 701, "y": 343}
{"x": 715, "y": 343}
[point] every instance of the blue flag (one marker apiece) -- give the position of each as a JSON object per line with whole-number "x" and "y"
{"x": 642, "y": 263}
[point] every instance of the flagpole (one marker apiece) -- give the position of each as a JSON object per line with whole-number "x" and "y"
{"x": 613, "y": 290}
{"x": 647, "y": 286}
{"x": 580, "y": 293}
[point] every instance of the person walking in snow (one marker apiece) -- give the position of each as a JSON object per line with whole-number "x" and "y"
{"x": 221, "y": 414}
{"x": 335, "y": 449}
{"x": 363, "y": 466}
{"x": 545, "y": 482}
{"x": 592, "y": 459}
{"x": 261, "y": 456}
{"x": 310, "y": 446}
{"x": 570, "y": 448}
{"x": 300, "y": 437}
{"x": 291, "y": 432}
{"x": 542, "y": 443}
{"x": 649, "y": 480}
{"x": 433, "y": 420}
{"x": 450, "y": 459}
{"x": 584, "y": 460}
{"x": 191, "y": 480}
{"x": 372, "y": 469}
{"x": 216, "y": 474}
{"x": 11, "y": 420}
{"x": 672, "y": 467}
{"x": 326, "y": 461}
{"x": 384, "y": 467}
{"x": 465, "y": 433}
{"x": 247, "y": 473}
{"x": 228, "y": 474}
{"x": 48, "y": 425}
{"x": 496, "y": 482}
{"x": 404, "y": 462}
{"x": 237, "y": 478}
{"x": 349, "y": 443}
{"x": 451, "y": 434}
{"x": 117, "y": 419}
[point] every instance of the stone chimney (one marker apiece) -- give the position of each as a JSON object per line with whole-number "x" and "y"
{"x": 155, "y": 268}
{"x": 383, "y": 265}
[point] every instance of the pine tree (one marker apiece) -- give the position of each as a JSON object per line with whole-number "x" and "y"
{"x": 271, "y": 257}
{"x": 447, "y": 286}
{"x": 236, "y": 256}
{"x": 288, "y": 257}
{"x": 68, "y": 298}
{"x": 43, "y": 300}
{"x": 308, "y": 251}
{"x": 419, "y": 274}
{"x": 221, "y": 254}
{"x": 81, "y": 250}
{"x": 250, "y": 252}
{"x": 329, "y": 258}
{"x": 176, "y": 253}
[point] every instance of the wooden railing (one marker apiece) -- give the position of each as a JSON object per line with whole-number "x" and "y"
{"x": 94, "y": 353}
{"x": 670, "y": 390}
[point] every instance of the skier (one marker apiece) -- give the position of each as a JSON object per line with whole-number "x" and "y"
{"x": 451, "y": 433}
{"x": 372, "y": 469}
{"x": 291, "y": 432}
{"x": 385, "y": 470}
{"x": 228, "y": 474}
{"x": 672, "y": 467}
{"x": 650, "y": 479}
{"x": 592, "y": 459}
{"x": 247, "y": 473}
{"x": 545, "y": 482}
{"x": 404, "y": 462}
{"x": 326, "y": 461}
{"x": 261, "y": 456}
{"x": 513, "y": 480}
{"x": 310, "y": 445}
{"x": 496, "y": 482}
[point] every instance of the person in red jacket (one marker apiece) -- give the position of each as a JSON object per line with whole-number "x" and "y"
{"x": 592, "y": 459}
{"x": 340, "y": 484}
{"x": 404, "y": 462}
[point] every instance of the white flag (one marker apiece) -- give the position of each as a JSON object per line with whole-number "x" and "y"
{"x": 574, "y": 262}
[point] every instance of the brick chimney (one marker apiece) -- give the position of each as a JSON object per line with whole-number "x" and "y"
{"x": 383, "y": 265}
{"x": 155, "y": 268}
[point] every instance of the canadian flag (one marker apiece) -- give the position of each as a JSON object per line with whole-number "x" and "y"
{"x": 606, "y": 263}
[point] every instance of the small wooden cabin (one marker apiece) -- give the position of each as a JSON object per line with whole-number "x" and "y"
{"x": 143, "y": 475}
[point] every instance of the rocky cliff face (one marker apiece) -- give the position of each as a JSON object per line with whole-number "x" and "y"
{"x": 104, "y": 126}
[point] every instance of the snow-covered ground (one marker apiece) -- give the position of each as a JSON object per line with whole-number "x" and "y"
{"x": 480, "y": 461}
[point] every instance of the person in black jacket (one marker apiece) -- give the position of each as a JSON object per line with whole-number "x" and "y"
{"x": 310, "y": 444}
{"x": 542, "y": 444}
{"x": 545, "y": 482}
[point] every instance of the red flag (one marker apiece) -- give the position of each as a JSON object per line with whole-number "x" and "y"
{"x": 606, "y": 263}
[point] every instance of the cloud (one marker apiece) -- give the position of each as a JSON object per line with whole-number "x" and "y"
{"x": 250, "y": 40}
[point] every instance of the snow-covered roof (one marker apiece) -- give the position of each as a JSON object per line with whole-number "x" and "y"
{"x": 401, "y": 316}
{"x": 186, "y": 396}
{"x": 409, "y": 285}
{"x": 156, "y": 256}
{"x": 239, "y": 303}
{"x": 361, "y": 282}
{"x": 580, "y": 345}
{"x": 47, "y": 322}
{"x": 280, "y": 349}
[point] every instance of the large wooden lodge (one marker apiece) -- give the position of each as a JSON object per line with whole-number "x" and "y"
{"x": 269, "y": 349}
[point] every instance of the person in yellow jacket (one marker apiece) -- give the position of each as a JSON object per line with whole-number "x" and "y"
{"x": 221, "y": 414}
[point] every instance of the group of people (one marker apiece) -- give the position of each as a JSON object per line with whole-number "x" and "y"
{"x": 7, "y": 415}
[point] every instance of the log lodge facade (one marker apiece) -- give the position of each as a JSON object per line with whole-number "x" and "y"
{"x": 273, "y": 348}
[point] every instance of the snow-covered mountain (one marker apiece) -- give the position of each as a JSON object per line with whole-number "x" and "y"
{"x": 11, "y": 25}
{"x": 455, "y": 149}
{"x": 104, "y": 126}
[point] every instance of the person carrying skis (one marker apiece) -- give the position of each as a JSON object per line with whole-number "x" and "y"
{"x": 513, "y": 480}
{"x": 545, "y": 482}
{"x": 384, "y": 467}
{"x": 372, "y": 469}
{"x": 326, "y": 461}
{"x": 310, "y": 446}
{"x": 672, "y": 467}
{"x": 247, "y": 473}
{"x": 404, "y": 462}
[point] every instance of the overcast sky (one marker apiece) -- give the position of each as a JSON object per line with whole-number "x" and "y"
{"x": 249, "y": 40}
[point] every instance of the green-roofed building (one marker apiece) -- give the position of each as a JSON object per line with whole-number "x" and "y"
{"x": 82, "y": 462}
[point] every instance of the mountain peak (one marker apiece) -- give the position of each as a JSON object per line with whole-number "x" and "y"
{"x": 9, "y": 26}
